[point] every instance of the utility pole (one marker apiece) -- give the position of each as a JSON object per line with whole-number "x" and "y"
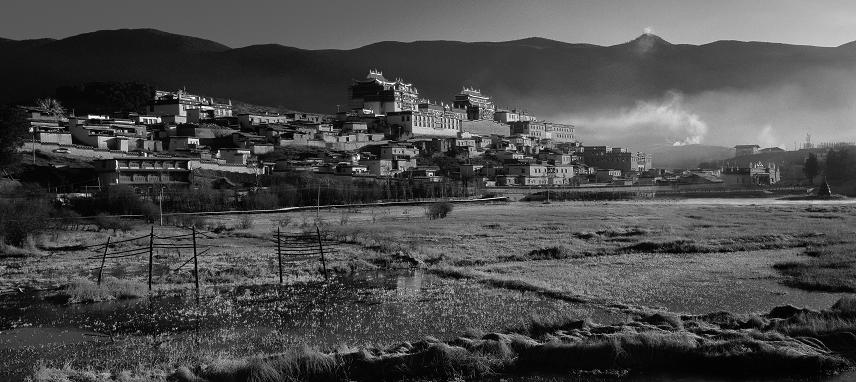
{"x": 34, "y": 143}
{"x": 161, "y": 206}
{"x": 318, "y": 203}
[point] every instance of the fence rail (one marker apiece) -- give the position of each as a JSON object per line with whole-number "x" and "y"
{"x": 154, "y": 242}
{"x": 302, "y": 245}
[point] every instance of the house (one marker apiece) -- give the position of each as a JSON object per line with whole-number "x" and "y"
{"x": 247, "y": 120}
{"x": 166, "y": 103}
{"x": 398, "y": 151}
{"x": 616, "y": 158}
{"x": 744, "y": 150}
{"x": 183, "y": 143}
{"x": 356, "y": 127}
{"x": 345, "y": 168}
{"x": 97, "y": 136}
{"x": 536, "y": 174}
{"x": 234, "y": 156}
{"x": 143, "y": 171}
{"x": 422, "y": 123}
{"x": 424, "y": 174}
{"x": 755, "y": 174}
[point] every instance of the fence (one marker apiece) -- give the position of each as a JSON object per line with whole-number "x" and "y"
{"x": 303, "y": 245}
{"x": 154, "y": 242}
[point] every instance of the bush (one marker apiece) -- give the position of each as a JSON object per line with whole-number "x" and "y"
{"x": 186, "y": 221}
{"x": 105, "y": 222}
{"x": 246, "y": 222}
{"x": 150, "y": 211}
{"x": 22, "y": 218}
{"x": 439, "y": 210}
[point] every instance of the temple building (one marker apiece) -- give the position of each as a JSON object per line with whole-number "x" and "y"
{"x": 382, "y": 96}
{"x": 477, "y": 105}
{"x": 557, "y": 132}
{"x": 188, "y": 107}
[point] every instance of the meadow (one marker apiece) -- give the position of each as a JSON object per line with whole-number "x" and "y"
{"x": 678, "y": 260}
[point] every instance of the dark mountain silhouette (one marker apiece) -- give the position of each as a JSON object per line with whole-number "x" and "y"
{"x": 546, "y": 77}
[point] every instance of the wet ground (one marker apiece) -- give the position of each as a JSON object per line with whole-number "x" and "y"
{"x": 736, "y": 282}
{"x": 371, "y": 308}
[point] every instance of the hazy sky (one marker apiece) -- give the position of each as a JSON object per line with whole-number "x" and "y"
{"x": 353, "y": 23}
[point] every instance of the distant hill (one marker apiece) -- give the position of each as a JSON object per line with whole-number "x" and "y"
{"x": 548, "y": 78}
{"x": 688, "y": 156}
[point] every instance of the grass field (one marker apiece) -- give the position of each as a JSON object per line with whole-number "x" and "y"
{"x": 744, "y": 257}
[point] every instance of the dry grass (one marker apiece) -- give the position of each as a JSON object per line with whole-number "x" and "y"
{"x": 111, "y": 288}
{"x": 828, "y": 269}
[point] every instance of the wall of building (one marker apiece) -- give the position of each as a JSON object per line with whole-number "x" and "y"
{"x": 485, "y": 127}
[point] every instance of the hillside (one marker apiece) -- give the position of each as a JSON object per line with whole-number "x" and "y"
{"x": 552, "y": 79}
{"x": 688, "y": 156}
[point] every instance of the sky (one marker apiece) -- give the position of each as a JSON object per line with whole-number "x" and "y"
{"x": 346, "y": 24}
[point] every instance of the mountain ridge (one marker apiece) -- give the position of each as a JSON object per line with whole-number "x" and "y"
{"x": 547, "y": 78}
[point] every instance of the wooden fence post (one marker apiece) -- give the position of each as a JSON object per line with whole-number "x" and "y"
{"x": 279, "y": 253}
{"x": 151, "y": 255}
{"x": 103, "y": 259}
{"x": 321, "y": 249}
{"x": 195, "y": 265}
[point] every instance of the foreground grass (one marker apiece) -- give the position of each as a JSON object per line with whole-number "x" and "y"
{"x": 786, "y": 341}
{"x": 83, "y": 291}
{"x": 828, "y": 269}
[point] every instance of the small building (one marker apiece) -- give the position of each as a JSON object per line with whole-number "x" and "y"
{"x": 345, "y": 168}
{"x": 757, "y": 173}
{"x": 183, "y": 143}
{"x": 143, "y": 171}
{"x": 234, "y": 156}
{"x": 423, "y": 174}
{"x": 398, "y": 151}
{"x": 247, "y": 120}
{"x": 744, "y": 150}
{"x": 179, "y": 102}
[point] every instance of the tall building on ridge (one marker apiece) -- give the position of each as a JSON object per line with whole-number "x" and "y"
{"x": 477, "y": 105}
{"x": 382, "y": 96}
{"x": 178, "y": 103}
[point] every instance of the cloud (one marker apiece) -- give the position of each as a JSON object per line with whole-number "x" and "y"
{"x": 667, "y": 120}
{"x": 767, "y": 138}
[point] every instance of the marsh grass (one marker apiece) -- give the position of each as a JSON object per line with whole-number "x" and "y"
{"x": 111, "y": 288}
{"x": 29, "y": 248}
{"x": 828, "y": 269}
{"x": 547, "y": 253}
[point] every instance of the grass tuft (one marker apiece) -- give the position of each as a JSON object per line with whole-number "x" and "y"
{"x": 85, "y": 291}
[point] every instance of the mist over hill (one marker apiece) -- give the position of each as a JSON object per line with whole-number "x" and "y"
{"x": 645, "y": 93}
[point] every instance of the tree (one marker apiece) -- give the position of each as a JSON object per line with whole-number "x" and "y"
{"x": 51, "y": 106}
{"x": 14, "y": 128}
{"x": 811, "y": 168}
{"x": 841, "y": 165}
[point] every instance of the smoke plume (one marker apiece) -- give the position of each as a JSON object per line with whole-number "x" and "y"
{"x": 667, "y": 120}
